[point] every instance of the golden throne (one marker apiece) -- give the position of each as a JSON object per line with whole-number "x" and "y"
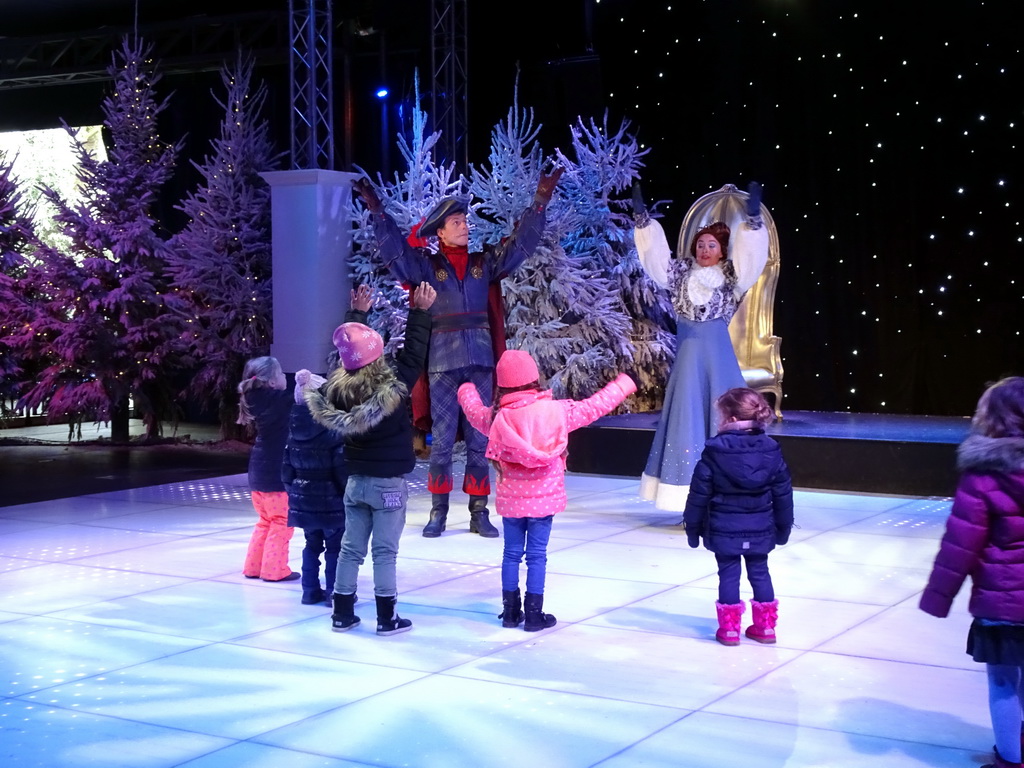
{"x": 751, "y": 329}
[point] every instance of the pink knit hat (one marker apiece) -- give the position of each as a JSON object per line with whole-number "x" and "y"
{"x": 516, "y": 368}
{"x": 358, "y": 345}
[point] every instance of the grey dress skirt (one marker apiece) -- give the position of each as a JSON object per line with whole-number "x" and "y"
{"x": 996, "y": 642}
{"x": 705, "y": 367}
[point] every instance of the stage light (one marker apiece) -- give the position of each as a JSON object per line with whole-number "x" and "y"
{"x": 382, "y": 93}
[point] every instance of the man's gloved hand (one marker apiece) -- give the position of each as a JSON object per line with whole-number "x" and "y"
{"x": 693, "y": 539}
{"x": 364, "y": 189}
{"x": 546, "y": 185}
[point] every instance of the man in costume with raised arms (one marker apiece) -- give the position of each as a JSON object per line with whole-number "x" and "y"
{"x": 461, "y": 344}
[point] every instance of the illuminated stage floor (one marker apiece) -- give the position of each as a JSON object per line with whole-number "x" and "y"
{"x": 130, "y": 638}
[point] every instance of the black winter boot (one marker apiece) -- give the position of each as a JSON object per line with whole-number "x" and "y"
{"x": 388, "y": 620}
{"x": 478, "y": 522}
{"x": 512, "y": 615}
{"x": 344, "y": 618}
{"x": 438, "y": 516}
{"x": 536, "y": 619}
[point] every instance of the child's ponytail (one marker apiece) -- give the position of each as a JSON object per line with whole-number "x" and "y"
{"x": 258, "y": 373}
{"x": 744, "y": 404}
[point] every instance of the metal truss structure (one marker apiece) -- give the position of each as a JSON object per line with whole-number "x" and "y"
{"x": 191, "y": 45}
{"x": 311, "y": 84}
{"x": 449, "y": 103}
{"x": 300, "y": 37}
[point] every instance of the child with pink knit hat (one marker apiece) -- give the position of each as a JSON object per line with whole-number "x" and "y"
{"x": 366, "y": 401}
{"x": 527, "y": 440}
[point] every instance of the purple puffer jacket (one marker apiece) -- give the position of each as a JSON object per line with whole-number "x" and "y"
{"x": 984, "y": 534}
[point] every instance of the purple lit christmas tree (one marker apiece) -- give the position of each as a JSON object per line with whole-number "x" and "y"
{"x": 100, "y": 323}
{"x": 17, "y": 241}
{"x": 221, "y": 261}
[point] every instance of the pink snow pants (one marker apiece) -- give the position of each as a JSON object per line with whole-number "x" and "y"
{"x": 267, "y": 557}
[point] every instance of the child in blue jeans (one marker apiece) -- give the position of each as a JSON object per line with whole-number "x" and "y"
{"x": 527, "y": 440}
{"x": 366, "y": 401}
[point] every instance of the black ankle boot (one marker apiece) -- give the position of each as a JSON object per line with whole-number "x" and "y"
{"x": 478, "y": 521}
{"x": 512, "y": 615}
{"x": 344, "y": 618}
{"x": 536, "y": 619}
{"x": 438, "y": 516}
{"x": 388, "y": 620}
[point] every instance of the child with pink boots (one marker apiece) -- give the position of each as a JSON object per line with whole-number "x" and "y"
{"x": 741, "y": 503}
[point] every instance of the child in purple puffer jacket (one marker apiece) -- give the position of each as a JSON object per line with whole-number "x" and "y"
{"x": 527, "y": 438}
{"x": 985, "y": 539}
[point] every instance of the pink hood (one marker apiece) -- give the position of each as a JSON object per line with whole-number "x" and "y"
{"x": 531, "y": 437}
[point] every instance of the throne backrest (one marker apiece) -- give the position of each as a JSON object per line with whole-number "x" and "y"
{"x": 752, "y": 327}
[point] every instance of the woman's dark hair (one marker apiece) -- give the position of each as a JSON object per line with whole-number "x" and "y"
{"x": 1000, "y": 411}
{"x": 717, "y": 230}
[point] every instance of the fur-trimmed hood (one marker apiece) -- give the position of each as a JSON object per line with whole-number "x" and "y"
{"x": 982, "y": 454}
{"x": 386, "y": 398}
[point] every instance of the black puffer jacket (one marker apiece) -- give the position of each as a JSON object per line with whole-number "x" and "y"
{"x": 378, "y": 430}
{"x": 270, "y": 409}
{"x": 314, "y": 473}
{"x": 741, "y": 495}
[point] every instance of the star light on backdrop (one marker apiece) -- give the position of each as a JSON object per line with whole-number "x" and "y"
{"x": 887, "y": 146}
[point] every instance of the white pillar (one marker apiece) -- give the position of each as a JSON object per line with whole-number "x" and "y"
{"x": 311, "y": 239}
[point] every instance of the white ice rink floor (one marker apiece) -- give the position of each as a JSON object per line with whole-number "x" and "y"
{"x": 128, "y": 637}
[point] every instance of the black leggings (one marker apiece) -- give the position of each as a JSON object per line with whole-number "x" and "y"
{"x": 757, "y": 574}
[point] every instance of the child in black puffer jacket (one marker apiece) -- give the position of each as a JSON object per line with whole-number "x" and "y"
{"x": 314, "y": 475}
{"x": 741, "y": 503}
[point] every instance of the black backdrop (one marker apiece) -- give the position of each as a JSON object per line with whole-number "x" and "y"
{"x": 885, "y": 135}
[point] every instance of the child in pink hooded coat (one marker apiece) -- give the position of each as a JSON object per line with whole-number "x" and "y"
{"x": 527, "y": 438}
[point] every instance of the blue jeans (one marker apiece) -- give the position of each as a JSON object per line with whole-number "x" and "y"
{"x": 529, "y": 536}
{"x": 373, "y": 505}
{"x": 757, "y": 574}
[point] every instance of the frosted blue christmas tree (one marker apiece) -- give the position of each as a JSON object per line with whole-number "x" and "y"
{"x": 581, "y": 304}
{"x": 604, "y": 163}
{"x": 220, "y": 263}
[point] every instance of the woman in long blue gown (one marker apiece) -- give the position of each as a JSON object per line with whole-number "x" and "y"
{"x": 707, "y": 285}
